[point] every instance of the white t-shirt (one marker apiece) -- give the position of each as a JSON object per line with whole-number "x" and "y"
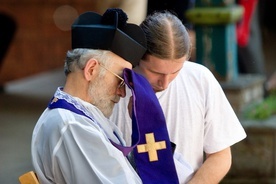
{"x": 71, "y": 148}
{"x": 198, "y": 115}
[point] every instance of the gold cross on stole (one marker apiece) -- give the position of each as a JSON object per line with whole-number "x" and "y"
{"x": 151, "y": 147}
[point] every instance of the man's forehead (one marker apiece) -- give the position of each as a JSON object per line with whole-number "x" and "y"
{"x": 120, "y": 62}
{"x": 163, "y": 66}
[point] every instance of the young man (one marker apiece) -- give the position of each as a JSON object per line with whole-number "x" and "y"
{"x": 73, "y": 141}
{"x": 199, "y": 118}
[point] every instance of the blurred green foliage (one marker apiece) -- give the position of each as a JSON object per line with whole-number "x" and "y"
{"x": 262, "y": 110}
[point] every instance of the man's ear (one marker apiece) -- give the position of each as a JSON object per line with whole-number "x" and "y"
{"x": 89, "y": 69}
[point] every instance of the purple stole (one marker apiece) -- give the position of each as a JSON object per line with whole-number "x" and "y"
{"x": 153, "y": 155}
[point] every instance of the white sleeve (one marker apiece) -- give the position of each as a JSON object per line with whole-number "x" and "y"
{"x": 90, "y": 157}
{"x": 222, "y": 127}
{"x": 184, "y": 170}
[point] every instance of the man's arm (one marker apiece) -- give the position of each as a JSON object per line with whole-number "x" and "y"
{"x": 214, "y": 168}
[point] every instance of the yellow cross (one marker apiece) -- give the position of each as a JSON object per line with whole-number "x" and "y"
{"x": 151, "y": 147}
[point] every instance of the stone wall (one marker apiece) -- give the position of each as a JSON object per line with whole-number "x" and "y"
{"x": 254, "y": 158}
{"x": 245, "y": 91}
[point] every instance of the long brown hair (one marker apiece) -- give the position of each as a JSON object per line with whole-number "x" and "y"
{"x": 167, "y": 37}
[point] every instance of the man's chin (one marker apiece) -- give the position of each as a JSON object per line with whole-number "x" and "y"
{"x": 107, "y": 110}
{"x": 108, "y": 114}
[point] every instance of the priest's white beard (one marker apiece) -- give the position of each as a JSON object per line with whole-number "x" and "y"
{"x": 101, "y": 97}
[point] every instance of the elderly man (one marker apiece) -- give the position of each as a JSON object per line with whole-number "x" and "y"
{"x": 73, "y": 141}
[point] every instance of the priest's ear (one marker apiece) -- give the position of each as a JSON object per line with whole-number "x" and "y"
{"x": 90, "y": 69}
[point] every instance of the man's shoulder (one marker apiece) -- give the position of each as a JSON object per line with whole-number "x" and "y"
{"x": 188, "y": 65}
{"x": 59, "y": 117}
{"x": 195, "y": 70}
{"x": 50, "y": 120}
